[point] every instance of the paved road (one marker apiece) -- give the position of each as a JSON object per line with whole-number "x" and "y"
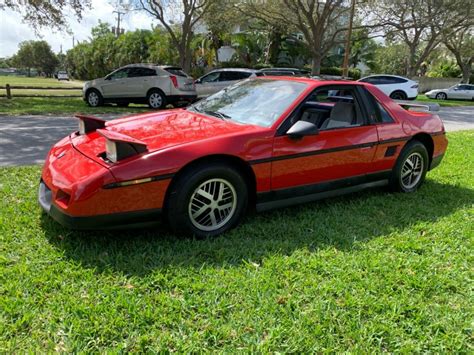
{"x": 25, "y": 140}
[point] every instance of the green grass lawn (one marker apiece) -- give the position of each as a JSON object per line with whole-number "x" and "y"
{"x": 51, "y": 106}
{"x": 38, "y": 81}
{"x": 446, "y": 103}
{"x": 369, "y": 272}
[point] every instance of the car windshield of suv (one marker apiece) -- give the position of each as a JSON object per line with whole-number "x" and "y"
{"x": 254, "y": 101}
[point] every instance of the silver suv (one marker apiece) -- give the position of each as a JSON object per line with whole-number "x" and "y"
{"x": 219, "y": 79}
{"x": 156, "y": 85}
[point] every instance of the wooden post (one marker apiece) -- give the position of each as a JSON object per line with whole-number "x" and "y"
{"x": 9, "y": 92}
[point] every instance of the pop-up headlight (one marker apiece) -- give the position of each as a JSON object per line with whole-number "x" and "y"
{"x": 89, "y": 124}
{"x": 119, "y": 146}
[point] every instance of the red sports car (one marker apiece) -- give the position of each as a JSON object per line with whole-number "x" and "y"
{"x": 264, "y": 143}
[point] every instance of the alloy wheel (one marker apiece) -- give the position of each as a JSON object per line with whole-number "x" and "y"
{"x": 412, "y": 171}
{"x": 212, "y": 204}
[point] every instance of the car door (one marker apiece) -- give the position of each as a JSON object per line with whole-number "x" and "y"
{"x": 114, "y": 84}
{"x": 208, "y": 84}
{"x": 456, "y": 92}
{"x": 464, "y": 92}
{"x": 140, "y": 81}
{"x": 338, "y": 156}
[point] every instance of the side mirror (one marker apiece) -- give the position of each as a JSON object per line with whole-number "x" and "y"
{"x": 301, "y": 129}
{"x": 197, "y": 81}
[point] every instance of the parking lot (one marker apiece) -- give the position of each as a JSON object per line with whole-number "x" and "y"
{"x": 25, "y": 140}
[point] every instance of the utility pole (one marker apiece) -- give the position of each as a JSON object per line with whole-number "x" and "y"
{"x": 345, "y": 65}
{"x": 117, "y": 29}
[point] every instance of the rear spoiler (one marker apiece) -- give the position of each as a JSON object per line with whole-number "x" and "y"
{"x": 418, "y": 106}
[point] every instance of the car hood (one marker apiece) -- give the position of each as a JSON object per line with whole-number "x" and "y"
{"x": 162, "y": 130}
{"x": 94, "y": 82}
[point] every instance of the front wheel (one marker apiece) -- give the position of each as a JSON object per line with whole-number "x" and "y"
{"x": 207, "y": 201}
{"x": 410, "y": 169}
{"x": 441, "y": 96}
{"x": 94, "y": 98}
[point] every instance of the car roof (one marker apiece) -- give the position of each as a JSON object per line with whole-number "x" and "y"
{"x": 284, "y": 69}
{"x": 390, "y": 75}
{"x": 245, "y": 70}
{"x": 310, "y": 81}
{"x": 150, "y": 65}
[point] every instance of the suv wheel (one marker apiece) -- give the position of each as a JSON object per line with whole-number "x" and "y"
{"x": 156, "y": 99}
{"x": 411, "y": 167}
{"x": 207, "y": 201}
{"x": 94, "y": 98}
{"x": 398, "y": 95}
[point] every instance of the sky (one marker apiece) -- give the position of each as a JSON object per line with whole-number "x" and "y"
{"x": 13, "y": 31}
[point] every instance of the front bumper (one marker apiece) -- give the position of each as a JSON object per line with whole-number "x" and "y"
{"x": 134, "y": 219}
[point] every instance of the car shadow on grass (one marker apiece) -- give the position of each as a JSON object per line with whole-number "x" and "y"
{"x": 341, "y": 223}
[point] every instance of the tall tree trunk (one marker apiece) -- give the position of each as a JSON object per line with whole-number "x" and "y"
{"x": 466, "y": 68}
{"x": 316, "y": 64}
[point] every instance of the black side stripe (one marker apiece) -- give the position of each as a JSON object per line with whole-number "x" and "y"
{"x": 325, "y": 151}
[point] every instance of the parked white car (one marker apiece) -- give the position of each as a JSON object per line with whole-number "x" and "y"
{"x": 141, "y": 83}
{"x": 62, "y": 75}
{"x": 219, "y": 79}
{"x": 458, "y": 92}
{"x": 397, "y": 87}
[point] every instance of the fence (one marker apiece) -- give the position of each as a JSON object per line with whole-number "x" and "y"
{"x": 9, "y": 88}
{"x": 427, "y": 84}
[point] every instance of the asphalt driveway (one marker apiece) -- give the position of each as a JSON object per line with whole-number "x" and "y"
{"x": 25, "y": 140}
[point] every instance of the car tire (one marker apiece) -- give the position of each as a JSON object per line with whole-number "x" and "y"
{"x": 207, "y": 200}
{"x": 441, "y": 96}
{"x": 398, "y": 95}
{"x": 156, "y": 99}
{"x": 94, "y": 98}
{"x": 410, "y": 169}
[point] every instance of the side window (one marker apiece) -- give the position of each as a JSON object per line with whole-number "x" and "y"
{"x": 332, "y": 107}
{"x": 375, "y": 80}
{"x": 119, "y": 74}
{"x": 211, "y": 77}
{"x": 463, "y": 87}
{"x": 376, "y": 111}
{"x": 134, "y": 72}
{"x": 394, "y": 80}
{"x": 233, "y": 75}
{"x": 367, "y": 80}
{"x": 384, "y": 115}
{"x": 147, "y": 72}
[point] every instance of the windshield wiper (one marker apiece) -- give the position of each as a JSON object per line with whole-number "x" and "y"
{"x": 218, "y": 114}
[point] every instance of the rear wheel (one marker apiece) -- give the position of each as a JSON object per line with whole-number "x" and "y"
{"x": 410, "y": 169}
{"x": 398, "y": 95}
{"x": 94, "y": 98}
{"x": 441, "y": 96}
{"x": 156, "y": 99}
{"x": 207, "y": 200}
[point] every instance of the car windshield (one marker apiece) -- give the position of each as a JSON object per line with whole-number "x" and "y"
{"x": 254, "y": 101}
